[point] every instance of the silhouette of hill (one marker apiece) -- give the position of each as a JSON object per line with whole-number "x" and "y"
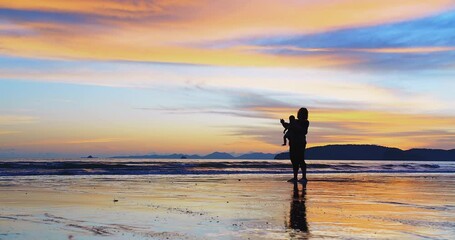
{"x": 214, "y": 155}
{"x": 257, "y": 155}
{"x": 373, "y": 152}
{"x": 329, "y": 152}
{"x": 158, "y": 156}
{"x": 218, "y": 155}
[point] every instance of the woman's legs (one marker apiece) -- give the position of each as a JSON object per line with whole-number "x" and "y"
{"x": 295, "y": 168}
{"x": 303, "y": 167}
{"x": 295, "y": 160}
{"x": 297, "y": 156}
{"x": 302, "y": 163}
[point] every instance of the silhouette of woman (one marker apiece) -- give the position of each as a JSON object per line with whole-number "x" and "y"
{"x": 297, "y": 144}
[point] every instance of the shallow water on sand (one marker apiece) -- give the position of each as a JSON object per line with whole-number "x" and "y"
{"x": 254, "y": 206}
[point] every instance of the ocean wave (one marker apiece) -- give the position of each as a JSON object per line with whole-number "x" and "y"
{"x": 177, "y": 166}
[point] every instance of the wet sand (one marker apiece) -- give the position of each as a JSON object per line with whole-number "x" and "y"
{"x": 339, "y": 206}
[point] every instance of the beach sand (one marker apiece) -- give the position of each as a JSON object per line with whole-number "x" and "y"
{"x": 339, "y": 206}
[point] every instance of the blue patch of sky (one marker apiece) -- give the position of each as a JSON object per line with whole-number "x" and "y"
{"x": 49, "y": 97}
{"x": 73, "y": 100}
{"x": 44, "y": 16}
{"x": 438, "y": 30}
{"x": 434, "y": 31}
{"x": 9, "y": 62}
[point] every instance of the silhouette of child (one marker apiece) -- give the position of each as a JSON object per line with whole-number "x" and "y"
{"x": 286, "y": 132}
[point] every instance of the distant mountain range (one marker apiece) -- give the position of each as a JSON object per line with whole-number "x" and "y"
{"x": 330, "y": 152}
{"x": 214, "y": 155}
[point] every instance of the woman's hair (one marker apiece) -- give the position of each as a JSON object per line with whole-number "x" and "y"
{"x": 302, "y": 113}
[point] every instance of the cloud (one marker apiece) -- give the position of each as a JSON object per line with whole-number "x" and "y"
{"x": 13, "y": 121}
{"x": 7, "y": 132}
{"x": 262, "y": 134}
{"x": 121, "y": 10}
{"x": 361, "y": 127}
{"x": 182, "y": 31}
{"x": 234, "y": 88}
{"x": 250, "y": 62}
{"x": 217, "y": 111}
{"x": 437, "y": 30}
{"x": 261, "y": 98}
{"x": 94, "y": 140}
{"x": 379, "y": 59}
{"x": 425, "y": 43}
{"x": 7, "y": 150}
{"x": 16, "y": 119}
{"x": 336, "y": 122}
{"x": 247, "y": 103}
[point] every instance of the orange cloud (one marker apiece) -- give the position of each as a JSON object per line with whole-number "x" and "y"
{"x": 178, "y": 31}
{"x": 259, "y": 16}
{"x": 84, "y": 48}
{"x": 16, "y": 119}
{"x": 391, "y": 129}
{"x": 96, "y": 140}
{"x": 334, "y": 126}
{"x": 2, "y": 132}
{"x": 328, "y": 126}
{"x": 97, "y": 7}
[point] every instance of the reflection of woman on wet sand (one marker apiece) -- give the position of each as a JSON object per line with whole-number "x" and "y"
{"x": 297, "y": 214}
{"x": 297, "y": 143}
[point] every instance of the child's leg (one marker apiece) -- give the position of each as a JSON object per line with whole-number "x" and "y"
{"x": 284, "y": 141}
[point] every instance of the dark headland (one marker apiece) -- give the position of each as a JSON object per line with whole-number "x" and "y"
{"x": 374, "y": 152}
{"x": 329, "y": 152}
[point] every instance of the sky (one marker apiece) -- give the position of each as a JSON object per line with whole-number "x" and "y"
{"x": 105, "y": 78}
